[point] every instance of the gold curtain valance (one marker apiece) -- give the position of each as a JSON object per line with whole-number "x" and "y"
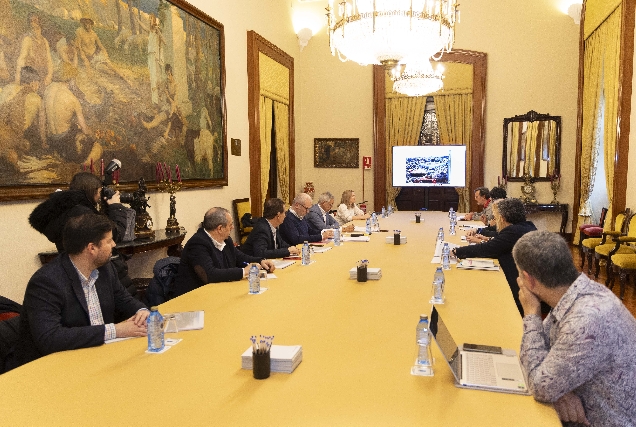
{"x": 596, "y": 11}
{"x": 274, "y": 79}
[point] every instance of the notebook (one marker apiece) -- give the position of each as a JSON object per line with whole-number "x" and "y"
{"x": 475, "y": 369}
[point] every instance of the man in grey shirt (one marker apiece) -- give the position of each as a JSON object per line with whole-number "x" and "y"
{"x": 582, "y": 357}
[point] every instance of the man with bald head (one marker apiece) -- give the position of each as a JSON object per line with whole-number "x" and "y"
{"x": 211, "y": 257}
{"x": 295, "y": 229}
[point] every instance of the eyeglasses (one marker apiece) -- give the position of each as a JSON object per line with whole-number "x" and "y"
{"x": 307, "y": 208}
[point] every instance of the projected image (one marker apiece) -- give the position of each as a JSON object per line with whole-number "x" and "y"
{"x": 429, "y": 169}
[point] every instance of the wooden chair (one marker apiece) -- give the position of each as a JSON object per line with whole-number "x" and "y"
{"x": 623, "y": 265}
{"x": 587, "y": 231}
{"x": 617, "y": 246}
{"x": 241, "y": 207}
{"x": 590, "y": 244}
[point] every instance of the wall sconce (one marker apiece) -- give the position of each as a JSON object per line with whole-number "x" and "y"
{"x": 304, "y": 35}
{"x": 574, "y": 11}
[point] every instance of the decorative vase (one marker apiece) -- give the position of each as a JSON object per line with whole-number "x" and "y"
{"x": 309, "y": 189}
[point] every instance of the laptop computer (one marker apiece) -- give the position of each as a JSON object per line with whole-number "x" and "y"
{"x": 477, "y": 366}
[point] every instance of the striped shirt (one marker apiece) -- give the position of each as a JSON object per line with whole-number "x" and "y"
{"x": 92, "y": 301}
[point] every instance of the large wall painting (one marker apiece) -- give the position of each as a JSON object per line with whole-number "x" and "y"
{"x": 138, "y": 80}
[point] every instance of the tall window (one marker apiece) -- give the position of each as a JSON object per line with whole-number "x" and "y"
{"x": 429, "y": 134}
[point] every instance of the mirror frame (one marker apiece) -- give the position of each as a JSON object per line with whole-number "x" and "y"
{"x": 531, "y": 116}
{"x": 479, "y": 62}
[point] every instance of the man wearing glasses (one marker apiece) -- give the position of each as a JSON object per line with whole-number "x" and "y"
{"x": 319, "y": 217}
{"x": 295, "y": 229}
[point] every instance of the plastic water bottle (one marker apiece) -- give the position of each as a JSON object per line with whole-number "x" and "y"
{"x": 254, "y": 279}
{"x": 368, "y": 228}
{"x": 445, "y": 257}
{"x": 438, "y": 286}
{"x": 383, "y": 212}
{"x": 423, "y": 341}
{"x": 450, "y": 212}
{"x": 452, "y": 228}
{"x": 306, "y": 255}
{"x": 155, "y": 330}
{"x": 336, "y": 236}
{"x": 440, "y": 234}
{"x": 390, "y": 209}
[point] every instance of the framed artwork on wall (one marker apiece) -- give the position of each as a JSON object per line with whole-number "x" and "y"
{"x": 140, "y": 81}
{"x": 336, "y": 152}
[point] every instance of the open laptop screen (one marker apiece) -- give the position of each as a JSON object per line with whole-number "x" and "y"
{"x": 445, "y": 342}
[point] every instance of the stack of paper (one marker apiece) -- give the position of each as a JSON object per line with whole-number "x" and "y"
{"x": 187, "y": 320}
{"x": 355, "y": 239}
{"x": 391, "y": 239}
{"x": 284, "y": 358}
{"x": 283, "y": 263}
{"x": 478, "y": 264}
{"x": 372, "y": 273}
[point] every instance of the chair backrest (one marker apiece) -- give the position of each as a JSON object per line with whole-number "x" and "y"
{"x": 601, "y": 220}
{"x": 241, "y": 207}
{"x": 164, "y": 272}
{"x": 630, "y": 229}
{"x": 620, "y": 222}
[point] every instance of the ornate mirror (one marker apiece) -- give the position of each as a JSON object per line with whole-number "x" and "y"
{"x": 532, "y": 146}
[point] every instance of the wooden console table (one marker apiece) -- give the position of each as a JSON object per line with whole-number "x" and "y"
{"x": 172, "y": 241}
{"x": 561, "y": 207}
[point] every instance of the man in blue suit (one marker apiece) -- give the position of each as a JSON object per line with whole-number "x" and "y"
{"x": 211, "y": 257}
{"x": 75, "y": 300}
{"x": 265, "y": 239}
{"x": 295, "y": 228}
{"x": 319, "y": 217}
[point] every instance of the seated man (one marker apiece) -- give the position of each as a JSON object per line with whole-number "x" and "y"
{"x": 211, "y": 257}
{"x": 264, "y": 240}
{"x": 511, "y": 221}
{"x": 481, "y": 234}
{"x": 295, "y": 229}
{"x": 319, "y": 217}
{"x": 581, "y": 357}
{"x": 71, "y": 302}
{"x": 482, "y": 197}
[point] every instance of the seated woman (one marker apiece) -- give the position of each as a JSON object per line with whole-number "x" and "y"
{"x": 348, "y": 210}
{"x": 511, "y": 222}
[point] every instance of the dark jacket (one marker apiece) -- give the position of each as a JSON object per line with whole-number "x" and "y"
{"x": 50, "y": 216}
{"x": 55, "y": 313}
{"x": 295, "y": 231}
{"x": 202, "y": 263}
{"x": 316, "y": 223}
{"x": 260, "y": 242}
{"x": 500, "y": 247}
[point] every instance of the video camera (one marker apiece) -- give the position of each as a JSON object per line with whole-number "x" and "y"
{"x": 108, "y": 192}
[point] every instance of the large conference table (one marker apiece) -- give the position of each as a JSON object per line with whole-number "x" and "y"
{"x": 358, "y": 344}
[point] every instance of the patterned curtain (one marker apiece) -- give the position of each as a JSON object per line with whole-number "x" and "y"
{"x": 281, "y": 112}
{"x": 266, "y": 142}
{"x": 455, "y": 122}
{"x": 403, "y": 124}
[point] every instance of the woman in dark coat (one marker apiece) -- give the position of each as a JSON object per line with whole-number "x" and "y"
{"x": 82, "y": 197}
{"x": 510, "y": 217}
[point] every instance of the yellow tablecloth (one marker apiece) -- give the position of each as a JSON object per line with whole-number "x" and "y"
{"x": 358, "y": 347}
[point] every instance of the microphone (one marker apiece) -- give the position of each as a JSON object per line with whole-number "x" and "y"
{"x": 112, "y": 167}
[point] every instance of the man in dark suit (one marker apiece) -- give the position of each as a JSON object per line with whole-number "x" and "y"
{"x": 264, "y": 239}
{"x": 510, "y": 217}
{"x": 295, "y": 228}
{"x": 74, "y": 301}
{"x": 319, "y": 217}
{"x": 211, "y": 257}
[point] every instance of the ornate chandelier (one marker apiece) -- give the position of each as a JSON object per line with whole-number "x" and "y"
{"x": 389, "y": 32}
{"x": 417, "y": 79}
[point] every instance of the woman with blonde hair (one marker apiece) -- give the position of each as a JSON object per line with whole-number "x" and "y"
{"x": 348, "y": 210}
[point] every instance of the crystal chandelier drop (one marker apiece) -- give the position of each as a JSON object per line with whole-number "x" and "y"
{"x": 417, "y": 79}
{"x": 388, "y": 32}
